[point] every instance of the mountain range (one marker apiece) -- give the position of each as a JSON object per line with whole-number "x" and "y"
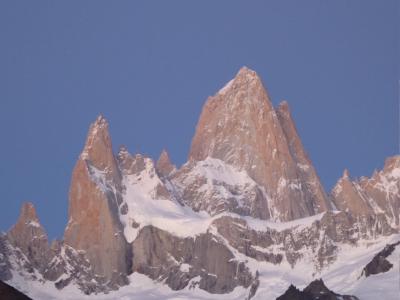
{"x": 245, "y": 217}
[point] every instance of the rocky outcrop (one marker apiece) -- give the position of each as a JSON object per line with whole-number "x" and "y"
{"x": 202, "y": 261}
{"x": 348, "y": 196}
{"x": 94, "y": 198}
{"x": 318, "y": 239}
{"x": 5, "y": 253}
{"x": 30, "y": 238}
{"x": 10, "y": 293}
{"x": 240, "y": 127}
{"x": 379, "y": 264}
{"x": 379, "y": 194}
{"x": 164, "y": 165}
{"x": 316, "y": 290}
{"x": 214, "y": 186}
{"x": 136, "y": 169}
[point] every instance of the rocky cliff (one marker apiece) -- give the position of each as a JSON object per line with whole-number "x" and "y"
{"x": 376, "y": 195}
{"x": 94, "y": 199}
{"x": 240, "y": 127}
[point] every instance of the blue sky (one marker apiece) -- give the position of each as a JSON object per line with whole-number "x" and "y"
{"x": 149, "y": 67}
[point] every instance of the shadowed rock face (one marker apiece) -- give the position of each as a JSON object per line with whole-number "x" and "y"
{"x": 163, "y": 256}
{"x": 7, "y": 292}
{"x": 94, "y": 197}
{"x": 379, "y": 264}
{"x": 316, "y": 290}
{"x": 240, "y": 127}
{"x": 319, "y": 239}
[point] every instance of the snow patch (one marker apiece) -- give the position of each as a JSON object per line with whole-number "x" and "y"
{"x": 226, "y": 87}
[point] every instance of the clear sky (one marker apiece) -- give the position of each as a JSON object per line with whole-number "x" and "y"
{"x": 149, "y": 67}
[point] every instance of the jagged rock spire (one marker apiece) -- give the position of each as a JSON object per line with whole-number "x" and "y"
{"x": 229, "y": 116}
{"x": 379, "y": 194}
{"x": 94, "y": 199}
{"x": 98, "y": 146}
{"x": 27, "y": 217}
{"x": 346, "y": 174}
{"x": 30, "y": 237}
{"x": 28, "y": 213}
{"x": 164, "y": 165}
{"x": 314, "y": 191}
{"x": 240, "y": 127}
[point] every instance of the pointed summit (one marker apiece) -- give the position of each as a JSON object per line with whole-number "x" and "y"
{"x": 392, "y": 163}
{"x": 164, "y": 166}
{"x": 348, "y": 196}
{"x": 240, "y": 126}
{"x": 29, "y": 236}
{"x": 94, "y": 199}
{"x": 27, "y": 218}
{"x": 28, "y": 212}
{"x": 346, "y": 174}
{"x": 98, "y": 146}
{"x": 232, "y": 114}
{"x": 123, "y": 153}
{"x": 245, "y": 81}
{"x": 132, "y": 163}
{"x": 248, "y": 74}
{"x": 284, "y": 107}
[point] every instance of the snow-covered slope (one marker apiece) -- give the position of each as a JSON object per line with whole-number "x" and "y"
{"x": 343, "y": 276}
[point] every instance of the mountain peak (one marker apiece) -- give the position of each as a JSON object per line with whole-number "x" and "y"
{"x": 240, "y": 126}
{"x": 28, "y": 212}
{"x": 26, "y": 230}
{"x": 346, "y": 174}
{"x": 101, "y": 120}
{"x": 123, "y": 153}
{"x": 235, "y": 111}
{"x": 164, "y": 165}
{"x": 392, "y": 162}
{"x": 98, "y": 146}
{"x": 284, "y": 106}
{"x": 27, "y": 216}
{"x": 244, "y": 79}
{"x": 246, "y": 72}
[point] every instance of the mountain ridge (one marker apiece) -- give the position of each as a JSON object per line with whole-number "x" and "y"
{"x": 247, "y": 199}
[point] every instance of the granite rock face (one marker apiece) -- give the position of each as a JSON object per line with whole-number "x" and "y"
{"x": 240, "y": 126}
{"x": 178, "y": 261}
{"x": 94, "y": 198}
{"x": 164, "y": 165}
{"x": 213, "y": 186}
{"x": 379, "y": 194}
{"x": 317, "y": 242}
{"x": 29, "y": 236}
